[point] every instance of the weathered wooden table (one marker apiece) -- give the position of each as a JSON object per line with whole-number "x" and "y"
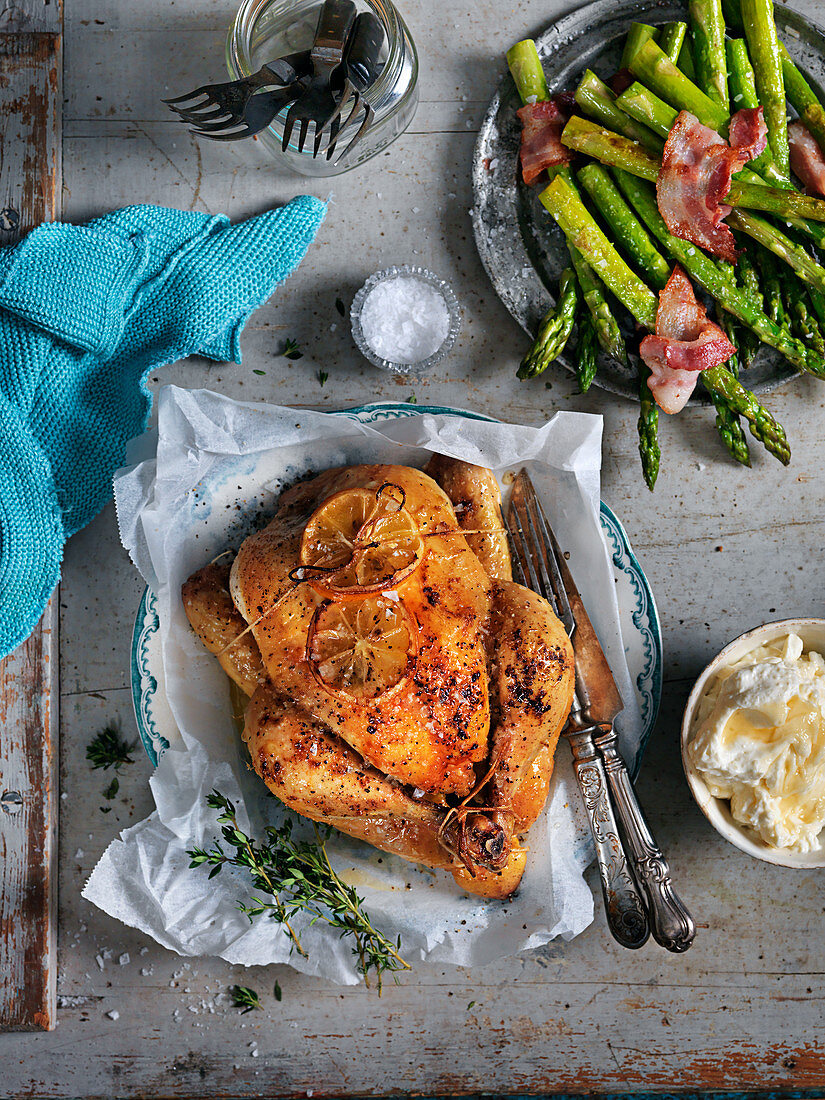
{"x": 724, "y": 549}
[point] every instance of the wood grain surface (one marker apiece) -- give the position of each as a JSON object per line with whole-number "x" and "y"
{"x": 724, "y": 549}
{"x": 30, "y": 92}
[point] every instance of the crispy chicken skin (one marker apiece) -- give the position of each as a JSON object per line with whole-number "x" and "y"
{"x": 432, "y": 730}
{"x": 452, "y": 764}
{"x": 316, "y": 774}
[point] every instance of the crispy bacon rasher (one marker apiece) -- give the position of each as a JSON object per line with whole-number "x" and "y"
{"x": 541, "y": 147}
{"x": 686, "y": 343}
{"x": 697, "y": 166}
{"x": 807, "y": 160}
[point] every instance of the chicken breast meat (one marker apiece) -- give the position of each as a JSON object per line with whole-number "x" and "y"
{"x": 403, "y": 688}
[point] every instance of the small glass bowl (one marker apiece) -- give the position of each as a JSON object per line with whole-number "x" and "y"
{"x": 266, "y": 29}
{"x": 424, "y": 276}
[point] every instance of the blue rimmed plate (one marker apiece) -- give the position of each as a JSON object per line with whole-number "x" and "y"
{"x": 637, "y": 612}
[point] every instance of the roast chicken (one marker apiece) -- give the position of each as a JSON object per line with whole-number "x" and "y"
{"x": 402, "y": 687}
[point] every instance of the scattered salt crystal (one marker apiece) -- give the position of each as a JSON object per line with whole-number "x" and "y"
{"x": 79, "y": 854}
{"x": 255, "y": 1053}
{"x": 100, "y": 962}
{"x": 415, "y": 210}
{"x": 64, "y": 795}
{"x": 451, "y": 194}
{"x": 193, "y": 1008}
{"x": 124, "y": 959}
{"x": 532, "y": 99}
{"x": 146, "y": 971}
{"x": 114, "y": 1014}
{"x": 404, "y": 319}
{"x": 144, "y": 950}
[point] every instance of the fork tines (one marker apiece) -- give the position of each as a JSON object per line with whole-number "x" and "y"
{"x": 535, "y": 549}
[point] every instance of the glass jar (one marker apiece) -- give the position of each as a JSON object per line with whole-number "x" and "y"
{"x": 264, "y": 30}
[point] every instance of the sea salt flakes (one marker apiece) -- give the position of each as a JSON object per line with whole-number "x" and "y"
{"x": 405, "y": 320}
{"x": 114, "y": 1014}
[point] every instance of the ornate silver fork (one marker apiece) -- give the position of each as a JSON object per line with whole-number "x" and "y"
{"x": 600, "y": 769}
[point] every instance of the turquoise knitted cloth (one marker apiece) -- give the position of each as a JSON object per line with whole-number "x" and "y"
{"x": 86, "y": 312}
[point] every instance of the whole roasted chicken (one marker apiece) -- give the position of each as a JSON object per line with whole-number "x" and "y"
{"x": 403, "y": 688}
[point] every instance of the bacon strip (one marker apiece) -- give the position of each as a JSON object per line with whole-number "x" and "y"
{"x": 697, "y": 166}
{"x": 541, "y": 147}
{"x": 686, "y": 342}
{"x": 807, "y": 160}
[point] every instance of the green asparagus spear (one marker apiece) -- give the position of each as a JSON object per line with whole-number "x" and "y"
{"x": 586, "y": 351}
{"x": 700, "y": 268}
{"x": 805, "y": 266}
{"x": 605, "y": 325}
{"x": 609, "y": 148}
{"x": 671, "y": 39}
{"x": 646, "y": 107}
{"x": 525, "y": 68}
{"x": 802, "y": 97}
{"x": 581, "y": 230}
{"x": 799, "y": 310}
{"x": 685, "y": 61}
{"x": 774, "y": 306}
{"x": 598, "y": 101}
{"x": 742, "y": 85}
{"x": 739, "y": 400}
{"x": 637, "y": 35}
{"x": 748, "y": 278}
{"x": 648, "y": 427}
{"x": 629, "y": 231}
{"x": 708, "y": 31}
{"x": 741, "y": 79}
{"x": 554, "y": 330}
{"x": 727, "y": 421}
{"x": 656, "y": 71}
{"x": 763, "y": 46}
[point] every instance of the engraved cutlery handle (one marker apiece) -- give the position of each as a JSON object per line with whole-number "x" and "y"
{"x": 623, "y": 904}
{"x": 671, "y": 923}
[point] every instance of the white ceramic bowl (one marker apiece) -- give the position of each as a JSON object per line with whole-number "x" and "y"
{"x": 717, "y": 810}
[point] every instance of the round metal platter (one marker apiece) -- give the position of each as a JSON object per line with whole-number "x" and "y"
{"x": 520, "y": 246}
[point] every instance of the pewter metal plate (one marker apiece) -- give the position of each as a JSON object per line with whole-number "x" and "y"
{"x": 520, "y": 246}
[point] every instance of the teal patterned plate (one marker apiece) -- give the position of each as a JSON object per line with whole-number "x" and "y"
{"x": 637, "y": 612}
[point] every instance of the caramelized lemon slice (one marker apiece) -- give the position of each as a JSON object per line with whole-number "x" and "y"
{"x": 361, "y": 541}
{"x": 361, "y": 650}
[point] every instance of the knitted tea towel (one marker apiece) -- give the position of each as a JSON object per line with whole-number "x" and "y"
{"x": 86, "y": 312}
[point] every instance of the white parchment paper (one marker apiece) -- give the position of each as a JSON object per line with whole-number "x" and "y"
{"x": 208, "y": 475}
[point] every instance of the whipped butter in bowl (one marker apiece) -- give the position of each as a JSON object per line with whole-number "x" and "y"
{"x": 753, "y": 742}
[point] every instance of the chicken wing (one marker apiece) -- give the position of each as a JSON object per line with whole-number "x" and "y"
{"x": 476, "y": 497}
{"x": 218, "y": 623}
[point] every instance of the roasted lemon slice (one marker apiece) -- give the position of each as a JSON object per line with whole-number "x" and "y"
{"x": 361, "y": 650}
{"x": 361, "y": 541}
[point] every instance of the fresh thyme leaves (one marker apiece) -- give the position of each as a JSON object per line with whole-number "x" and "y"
{"x": 291, "y": 350}
{"x": 244, "y": 998}
{"x": 278, "y": 993}
{"x": 296, "y": 876}
{"x": 322, "y": 376}
{"x": 339, "y": 305}
{"x": 112, "y": 789}
{"x": 259, "y": 372}
{"x": 107, "y": 749}
{"x": 412, "y": 399}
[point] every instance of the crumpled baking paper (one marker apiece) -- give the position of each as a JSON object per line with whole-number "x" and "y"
{"x": 210, "y": 473}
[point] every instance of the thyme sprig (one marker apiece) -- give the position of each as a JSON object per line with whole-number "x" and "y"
{"x": 108, "y": 749}
{"x": 296, "y": 876}
{"x": 244, "y": 998}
